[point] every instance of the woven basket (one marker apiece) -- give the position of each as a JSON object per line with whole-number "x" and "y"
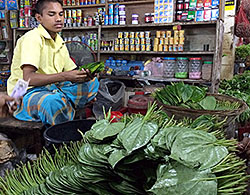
{"x": 231, "y": 115}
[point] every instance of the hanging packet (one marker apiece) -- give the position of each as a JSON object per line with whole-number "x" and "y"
{"x": 2, "y": 4}
{"x": 12, "y": 5}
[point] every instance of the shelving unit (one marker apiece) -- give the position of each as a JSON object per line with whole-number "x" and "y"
{"x": 196, "y": 33}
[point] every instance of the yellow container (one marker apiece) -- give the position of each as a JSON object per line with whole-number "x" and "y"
{"x": 117, "y": 47}
{"x": 148, "y": 47}
{"x": 166, "y": 41}
{"x": 143, "y": 47}
{"x": 156, "y": 41}
{"x": 156, "y": 46}
{"x": 132, "y": 47}
{"x": 121, "y": 47}
{"x": 126, "y": 47}
{"x": 176, "y": 40}
{"x": 171, "y": 40}
{"x": 181, "y": 40}
{"x": 120, "y": 35}
{"x": 160, "y": 47}
{"x": 137, "y": 47}
{"x": 165, "y": 47}
{"x": 143, "y": 41}
{"x": 181, "y": 33}
{"x": 176, "y": 33}
{"x": 158, "y": 34}
{"x": 169, "y": 33}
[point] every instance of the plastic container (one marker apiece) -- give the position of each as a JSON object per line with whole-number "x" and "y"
{"x": 181, "y": 68}
{"x": 135, "y": 19}
{"x": 206, "y": 70}
{"x": 195, "y": 68}
{"x": 169, "y": 66}
{"x": 65, "y": 132}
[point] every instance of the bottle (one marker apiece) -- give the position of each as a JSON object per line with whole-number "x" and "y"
{"x": 5, "y": 34}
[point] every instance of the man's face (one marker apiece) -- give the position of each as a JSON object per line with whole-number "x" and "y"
{"x": 52, "y": 18}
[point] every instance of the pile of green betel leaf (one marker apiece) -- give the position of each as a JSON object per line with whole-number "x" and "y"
{"x": 192, "y": 97}
{"x": 151, "y": 154}
{"x": 238, "y": 87}
{"x": 94, "y": 67}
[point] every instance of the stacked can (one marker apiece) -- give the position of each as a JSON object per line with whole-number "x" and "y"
{"x": 122, "y": 15}
{"x": 24, "y": 14}
{"x": 133, "y": 41}
{"x": 164, "y": 41}
{"x": 116, "y": 15}
{"x": 81, "y": 2}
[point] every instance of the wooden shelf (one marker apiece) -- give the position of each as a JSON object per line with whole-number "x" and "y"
{"x": 83, "y": 6}
{"x": 160, "y": 53}
{"x": 135, "y": 2}
{"x": 23, "y": 29}
{"x": 159, "y": 25}
{"x": 2, "y": 19}
{"x": 80, "y": 28}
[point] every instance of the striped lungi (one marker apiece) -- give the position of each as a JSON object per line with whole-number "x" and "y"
{"x": 56, "y": 103}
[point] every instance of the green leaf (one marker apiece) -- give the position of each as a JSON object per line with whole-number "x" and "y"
{"x": 137, "y": 134}
{"x": 116, "y": 156}
{"x": 177, "y": 179}
{"x": 184, "y": 91}
{"x": 195, "y": 148}
{"x": 103, "y": 129}
{"x": 208, "y": 103}
{"x": 198, "y": 94}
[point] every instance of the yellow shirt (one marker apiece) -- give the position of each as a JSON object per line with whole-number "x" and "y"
{"x": 37, "y": 48}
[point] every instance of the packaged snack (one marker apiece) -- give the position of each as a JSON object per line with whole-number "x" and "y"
{"x": 2, "y": 4}
{"x": 12, "y": 5}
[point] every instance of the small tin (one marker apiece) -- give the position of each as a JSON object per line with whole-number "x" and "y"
{"x": 170, "y": 47}
{"x": 180, "y": 47}
{"x": 181, "y": 40}
{"x": 137, "y": 41}
{"x": 156, "y": 41}
{"x": 132, "y": 47}
{"x": 176, "y": 40}
{"x": 161, "y": 41}
{"x": 120, "y": 34}
{"x": 121, "y": 47}
{"x": 126, "y": 47}
{"x": 132, "y": 35}
{"x": 143, "y": 47}
{"x": 171, "y": 40}
{"x": 176, "y": 33}
{"x": 137, "y": 47}
{"x": 126, "y": 41}
{"x": 155, "y": 47}
{"x": 142, "y": 34}
{"x": 175, "y": 47}
{"x": 160, "y": 48}
{"x": 122, "y": 41}
{"x": 137, "y": 35}
{"x": 73, "y": 13}
{"x": 158, "y": 34}
{"x": 132, "y": 41}
{"x": 116, "y": 20}
{"x": 78, "y": 13}
{"x": 169, "y": 33}
{"x": 165, "y": 47}
{"x": 143, "y": 41}
{"x": 126, "y": 34}
{"x": 165, "y": 41}
{"x": 148, "y": 47}
{"x": 117, "y": 41}
{"x": 148, "y": 41}
{"x": 147, "y": 34}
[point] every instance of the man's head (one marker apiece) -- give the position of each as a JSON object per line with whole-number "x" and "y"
{"x": 50, "y": 14}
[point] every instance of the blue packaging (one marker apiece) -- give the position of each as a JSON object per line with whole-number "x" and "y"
{"x": 215, "y": 3}
{"x": 111, "y": 19}
{"x": 199, "y": 16}
{"x": 116, "y": 19}
{"x": 214, "y": 14}
{"x": 111, "y": 9}
{"x": 108, "y": 63}
{"x": 124, "y": 62}
{"x": 106, "y": 20}
{"x": 113, "y": 62}
{"x": 118, "y": 63}
{"x": 2, "y": 4}
{"x": 116, "y": 9}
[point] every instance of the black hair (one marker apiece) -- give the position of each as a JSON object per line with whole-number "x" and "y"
{"x": 40, "y": 5}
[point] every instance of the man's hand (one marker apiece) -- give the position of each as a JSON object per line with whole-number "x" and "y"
{"x": 77, "y": 76}
{"x": 4, "y": 109}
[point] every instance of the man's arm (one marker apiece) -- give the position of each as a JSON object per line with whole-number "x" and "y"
{"x": 36, "y": 79}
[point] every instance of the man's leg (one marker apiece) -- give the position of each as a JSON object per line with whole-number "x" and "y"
{"x": 46, "y": 104}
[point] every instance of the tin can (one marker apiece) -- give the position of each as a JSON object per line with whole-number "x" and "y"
{"x": 117, "y": 47}
{"x": 73, "y": 13}
{"x": 166, "y": 41}
{"x": 116, "y": 19}
{"x": 126, "y": 47}
{"x": 171, "y": 40}
{"x": 148, "y": 47}
{"x": 180, "y": 47}
{"x": 148, "y": 40}
{"x": 126, "y": 34}
{"x": 73, "y": 2}
{"x": 137, "y": 35}
{"x": 27, "y": 11}
{"x": 21, "y": 13}
{"x": 161, "y": 41}
{"x": 155, "y": 47}
{"x": 163, "y": 34}
{"x": 181, "y": 33}
{"x": 90, "y": 21}
{"x": 121, "y": 47}
{"x": 106, "y": 20}
{"x": 176, "y": 40}
{"x": 181, "y": 40}
{"x": 111, "y": 9}
{"x": 116, "y": 9}
{"x": 137, "y": 41}
{"x": 122, "y": 41}
{"x": 126, "y": 41}
{"x": 120, "y": 34}
{"x": 132, "y": 47}
{"x": 132, "y": 41}
{"x": 142, "y": 34}
{"x": 143, "y": 41}
{"x": 69, "y": 15}
{"x": 137, "y": 47}
{"x": 160, "y": 48}
{"x": 111, "y": 19}
{"x": 147, "y": 34}
{"x": 156, "y": 41}
{"x": 78, "y": 13}
{"x": 176, "y": 33}
{"x": 175, "y": 47}
{"x": 21, "y": 23}
{"x": 169, "y": 33}
{"x": 132, "y": 35}
{"x": 170, "y": 47}
{"x": 165, "y": 47}
{"x": 143, "y": 47}
{"x": 158, "y": 34}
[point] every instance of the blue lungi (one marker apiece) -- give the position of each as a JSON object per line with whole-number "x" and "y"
{"x": 56, "y": 103}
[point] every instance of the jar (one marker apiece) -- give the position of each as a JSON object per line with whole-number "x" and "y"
{"x": 169, "y": 67}
{"x": 195, "y": 68}
{"x": 152, "y": 18}
{"x": 147, "y": 18}
{"x": 181, "y": 68}
{"x": 206, "y": 70}
{"x": 135, "y": 18}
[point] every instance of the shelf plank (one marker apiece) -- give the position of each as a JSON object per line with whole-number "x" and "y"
{"x": 136, "y": 2}
{"x": 2, "y": 19}
{"x": 80, "y": 28}
{"x": 83, "y": 6}
{"x": 159, "y": 25}
{"x": 160, "y": 53}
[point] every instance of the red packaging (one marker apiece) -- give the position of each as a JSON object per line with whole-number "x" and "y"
{"x": 115, "y": 116}
{"x": 207, "y": 3}
{"x": 27, "y": 11}
{"x": 199, "y": 3}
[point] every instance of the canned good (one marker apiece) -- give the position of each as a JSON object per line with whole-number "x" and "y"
{"x": 21, "y": 22}
{"x": 166, "y": 41}
{"x": 181, "y": 33}
{"x": 132, "y": 41}
{"x": 117, "y": 41}
{"x": 148, "y": 47}
{"x": 121, "y": 47}
{"x": 176, "y": 33}
{"x": 163, "y": 34}
{"x": 137, "y": 47}
{"x": 156, "y": 41}
{"x": 160, "y": 48}
{"x": 137, "y": 41}
{"x": 170, "y": 47}
{"x": 175, "y": 47}
{"x": 142, "y": 35}
{"x": 69, "y": 13}
{"x": 161, "y": 41}
{"x": 155, "y": 47}
{"x": 142, "y": 40}
{"x": 137, "y": 35}
{"x": 73, "y": 13}
{"x": 147, "y": 34}
{"x": 171, "y": 40}
{"x": 126, "y": 41}
{"x": 132, "y": 47}
{"x": 132, "y": 35}
{"x": 181, "y": 40}
{"x": 158, "y": 34}
{"x": 122, "y": 41}
{"x": 126, "y": 47}
{"x": 180, "y": 47}
{"x": 169, "y": 33}
{"x": 111, "y": 19}
{"x": 116, "y": 19}
{"x": 111, "y": 9}
{"x": 176, "y": 40}
{"x": 148, "y": 41}
{"x": 126, "y": 34}
{"x": 143, "y": 47}
{"x": 165, "y": 47}
{"x": 120, "y": 34}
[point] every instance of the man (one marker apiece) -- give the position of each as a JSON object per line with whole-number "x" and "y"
{"x": 4, "y": 109}
{"x": 55, "y": 88}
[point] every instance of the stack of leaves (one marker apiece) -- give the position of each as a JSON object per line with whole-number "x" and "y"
{"x": 94, "y": 67}
{"x": 238, "y": 87}
{"x": 193, "y": 97}
{"x": 150, "y": 154}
